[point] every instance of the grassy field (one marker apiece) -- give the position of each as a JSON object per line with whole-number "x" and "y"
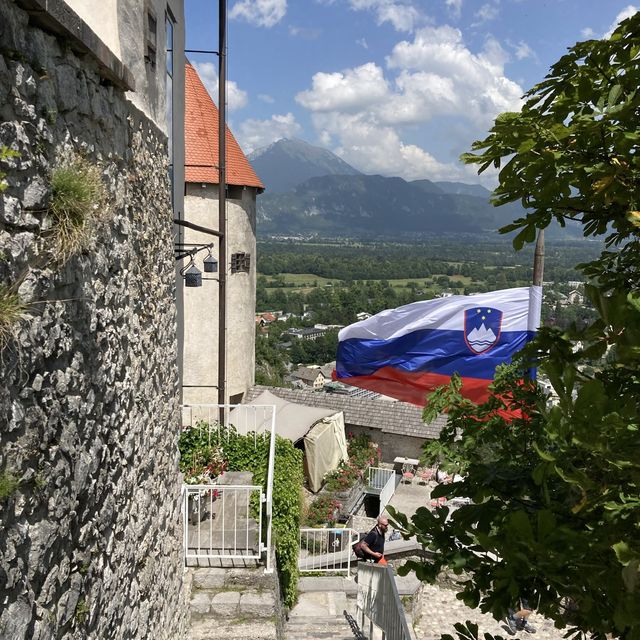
{"x": 304, "y": 282}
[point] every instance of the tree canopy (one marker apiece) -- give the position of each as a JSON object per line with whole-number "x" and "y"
{"x": 555, "y": 487}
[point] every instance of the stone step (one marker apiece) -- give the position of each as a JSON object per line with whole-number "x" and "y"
{"x": 226, "y": 605}
{"x": 232, "y": 629}
{"x": 317, "y": 627}
{"x": 319, "y": 621}
{"x": 314, "y": 634}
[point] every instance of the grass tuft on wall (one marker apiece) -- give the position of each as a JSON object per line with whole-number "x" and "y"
{"x": 12, "y": 310}
{"x": 78, "y": 202}
{"x": 8, "y": 485}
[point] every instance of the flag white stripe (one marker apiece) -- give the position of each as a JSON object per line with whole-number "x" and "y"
{"x": 518, "y": 306}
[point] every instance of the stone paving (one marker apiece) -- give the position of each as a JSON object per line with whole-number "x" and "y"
{"x": 440, "y": 609}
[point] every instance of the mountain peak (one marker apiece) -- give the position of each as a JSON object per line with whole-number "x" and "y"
{"x": 288, "y": 162}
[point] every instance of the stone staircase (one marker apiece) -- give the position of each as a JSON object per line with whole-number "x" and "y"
{"x": 319, "y": 615}
{"x": 241, "y": 604}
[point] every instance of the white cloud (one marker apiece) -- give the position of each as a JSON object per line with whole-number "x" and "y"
{"x": 378, "y": 149}
{"x": 401, "y": 14}
{"x": 350, "y": 90}
{"x": 208, "y": 72}
{"x": 432, "y": 75}
{"x": 587, "y": 32}
{"x": 265, "y": 97}
{"x": 487, "y": 12}
{"x": 253, "y": 134}
{"x": 440, "y": 76}
{"x": 306, "y": 33}
{"x": 455, "y": 7}
{"x": 627, "y": 12}
{"x": 262, "y": 13}
{"x": 523, "y": 50}
{"x": 362, "y": 42}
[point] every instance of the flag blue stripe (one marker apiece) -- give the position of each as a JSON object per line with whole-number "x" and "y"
{"x": 433, "y": 350}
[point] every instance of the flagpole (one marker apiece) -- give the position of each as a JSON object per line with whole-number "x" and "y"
{"x": 538, "y": 260}
{"x": 535, "y": 295}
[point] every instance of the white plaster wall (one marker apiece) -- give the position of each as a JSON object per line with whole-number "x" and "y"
{"x": 102, "y": 17}
{"x": 121, "y": 25}
{"x": 200, "y": 367}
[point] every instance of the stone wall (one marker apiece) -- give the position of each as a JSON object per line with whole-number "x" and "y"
{"x": 90, "y": 525}
{"x": 392, "y": 445}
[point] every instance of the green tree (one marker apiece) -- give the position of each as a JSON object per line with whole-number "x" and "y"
{"x": 555, "y": 513}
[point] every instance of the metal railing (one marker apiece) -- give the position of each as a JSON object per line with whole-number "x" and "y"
{"x": 326, "y": 550}
{"x": 383, "y": 480}
{"x": 259, "y": 420}
{"x": 378, "y": 477}
{"x": 378, "y": 601}
{"x": 222, "y": 521}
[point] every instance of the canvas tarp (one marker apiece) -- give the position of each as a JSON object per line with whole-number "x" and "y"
{"x": 322, "y": 430}
{"x": 325, "y": 446}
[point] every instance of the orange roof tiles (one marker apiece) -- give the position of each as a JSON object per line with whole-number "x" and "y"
{"x": 201, "y": 140}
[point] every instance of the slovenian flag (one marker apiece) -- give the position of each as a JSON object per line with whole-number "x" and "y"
{"x": 407, "y": 352}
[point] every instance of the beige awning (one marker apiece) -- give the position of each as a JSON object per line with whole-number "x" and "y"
{"x": 322, "y": 429}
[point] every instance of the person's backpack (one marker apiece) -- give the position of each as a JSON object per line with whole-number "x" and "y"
{"x": 357, "y": 550}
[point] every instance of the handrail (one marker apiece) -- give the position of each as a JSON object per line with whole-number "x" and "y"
{"x": 387, "y": 493}
{"x": 379, "y": 601}
{"x": 327, "y": 549}
{"x": 270, "y": 474}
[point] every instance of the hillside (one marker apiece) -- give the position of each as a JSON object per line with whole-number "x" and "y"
{"x": 310, "y": 191}
{"x": 364, "y": 206}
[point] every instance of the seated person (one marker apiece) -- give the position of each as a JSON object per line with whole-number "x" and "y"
{"x": 518, "y": 619}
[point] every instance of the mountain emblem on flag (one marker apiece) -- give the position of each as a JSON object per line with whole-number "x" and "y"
{"x": 482, "y": 326}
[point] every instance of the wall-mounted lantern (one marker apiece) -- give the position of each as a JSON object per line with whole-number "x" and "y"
{"x": 210, "y": 263}
{"x": 192, "y": 275}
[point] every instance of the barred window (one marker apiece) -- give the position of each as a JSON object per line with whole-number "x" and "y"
{"x": 240, "y": 262}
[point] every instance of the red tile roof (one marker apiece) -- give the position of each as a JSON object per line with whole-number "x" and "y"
{"x": 201, "y": 140}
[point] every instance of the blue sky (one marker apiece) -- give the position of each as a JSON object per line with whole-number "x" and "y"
{"x": 394, "y": 87}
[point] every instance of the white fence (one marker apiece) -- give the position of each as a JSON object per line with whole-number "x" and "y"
{"x": 327, "y": 550}
{"x": 225, "y": 521}
{"x": 379, "y": 602}
{"x": 383, "y": 480}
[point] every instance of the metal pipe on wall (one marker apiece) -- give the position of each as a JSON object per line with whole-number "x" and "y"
{"x": 222, "y": 203}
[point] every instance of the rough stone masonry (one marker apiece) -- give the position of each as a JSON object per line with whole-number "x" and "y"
{"x": 90, "y": 528}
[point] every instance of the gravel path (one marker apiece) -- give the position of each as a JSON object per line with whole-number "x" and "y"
{"x": 440, "y": 610}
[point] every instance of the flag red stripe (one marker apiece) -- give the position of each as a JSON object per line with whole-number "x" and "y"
{"x": 413, "y": 386}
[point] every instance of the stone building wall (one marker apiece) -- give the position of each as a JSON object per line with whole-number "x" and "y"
{"x": 90, "y": 525}
{"x": 392, "y": 445}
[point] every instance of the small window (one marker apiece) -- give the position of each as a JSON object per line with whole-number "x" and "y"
{"x": 151, "y": 39}
{"x": 234, "y": 192}
{"x": 240, "y": 262}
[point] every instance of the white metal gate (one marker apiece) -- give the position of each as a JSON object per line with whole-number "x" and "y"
{"x": 223, "y": 521}
{"x": 230, "y": 521}
{"x": 326, "y": 550}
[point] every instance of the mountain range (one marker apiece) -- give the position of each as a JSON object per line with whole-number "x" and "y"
{"x": 310, "y": 191}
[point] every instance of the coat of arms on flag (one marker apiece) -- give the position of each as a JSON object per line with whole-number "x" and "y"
{"x": 482, "y": 327}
